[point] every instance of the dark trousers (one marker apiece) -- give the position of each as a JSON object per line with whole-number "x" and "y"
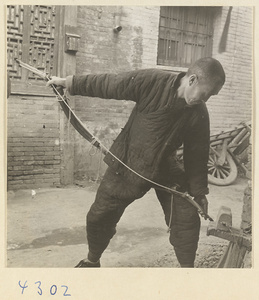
{"x": 115, "y": 193}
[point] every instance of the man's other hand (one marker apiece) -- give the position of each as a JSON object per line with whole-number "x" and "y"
{"x": 203, "y": 202}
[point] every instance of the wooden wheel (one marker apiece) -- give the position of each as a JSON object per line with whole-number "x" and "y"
{"x": 221, "y": 174}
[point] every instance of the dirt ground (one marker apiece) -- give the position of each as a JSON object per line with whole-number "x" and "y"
{"x": 48, "y": 229}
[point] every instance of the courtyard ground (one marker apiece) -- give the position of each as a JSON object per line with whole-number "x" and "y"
{"x": 48, "y": 229}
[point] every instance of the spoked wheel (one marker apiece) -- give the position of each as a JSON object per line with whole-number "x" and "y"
{"x": 221, "y": 174}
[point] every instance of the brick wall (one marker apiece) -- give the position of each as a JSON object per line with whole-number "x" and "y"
{"x": 33, "y": 142}
{"x": 102, "y": 50}
{"x": 234, "y": 102}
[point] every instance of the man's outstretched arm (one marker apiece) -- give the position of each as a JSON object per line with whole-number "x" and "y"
{"x": 122, "y": 86}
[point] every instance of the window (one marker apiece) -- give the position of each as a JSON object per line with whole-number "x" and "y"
{"x": 30, "y": 38}
{"x": 185, "y": 34}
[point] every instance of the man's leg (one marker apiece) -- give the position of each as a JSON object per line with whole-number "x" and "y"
{"x": 113, "y": 196}
{"x": 185, "y": 227}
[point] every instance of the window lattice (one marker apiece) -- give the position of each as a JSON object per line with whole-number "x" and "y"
{"x": 31, "y": 38}
{"x": 185, "y": 34}
{"x": 42, "y": 28}
{"x": 15, "y": 19}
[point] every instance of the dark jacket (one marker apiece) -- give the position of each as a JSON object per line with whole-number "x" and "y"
{"x": 158, "y": 125}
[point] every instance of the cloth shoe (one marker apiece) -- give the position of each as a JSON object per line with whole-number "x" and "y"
{"x": 85, "y": 263}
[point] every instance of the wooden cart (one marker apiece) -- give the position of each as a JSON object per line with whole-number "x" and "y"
{"x": 225, "y": 148}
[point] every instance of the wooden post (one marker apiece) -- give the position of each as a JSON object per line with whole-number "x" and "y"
{"x": 239, "y": 243}
{"x": 233, "y": 257}
{"x": 66, "y": 66}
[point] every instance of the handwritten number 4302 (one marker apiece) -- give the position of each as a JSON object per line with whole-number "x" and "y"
{"x": 53, "y": 289}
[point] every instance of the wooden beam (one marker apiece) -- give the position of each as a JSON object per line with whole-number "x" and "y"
{"x": 66, "y": 66}
{"x": 233, "y": 235}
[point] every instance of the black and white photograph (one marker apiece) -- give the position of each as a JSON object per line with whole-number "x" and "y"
{"x": 129, "y": 138}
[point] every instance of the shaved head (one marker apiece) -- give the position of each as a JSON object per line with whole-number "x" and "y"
{"x": 208, "y": 69}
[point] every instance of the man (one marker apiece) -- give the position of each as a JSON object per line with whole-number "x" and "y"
{"x": 170, "y": 111}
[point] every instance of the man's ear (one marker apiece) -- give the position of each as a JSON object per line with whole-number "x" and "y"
{"x": 193, "y": 79}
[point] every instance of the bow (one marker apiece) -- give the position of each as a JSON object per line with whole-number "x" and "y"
{"x": 79, "y": 126}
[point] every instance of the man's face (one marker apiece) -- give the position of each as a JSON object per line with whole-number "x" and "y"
{"x": 197, "y": 92}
